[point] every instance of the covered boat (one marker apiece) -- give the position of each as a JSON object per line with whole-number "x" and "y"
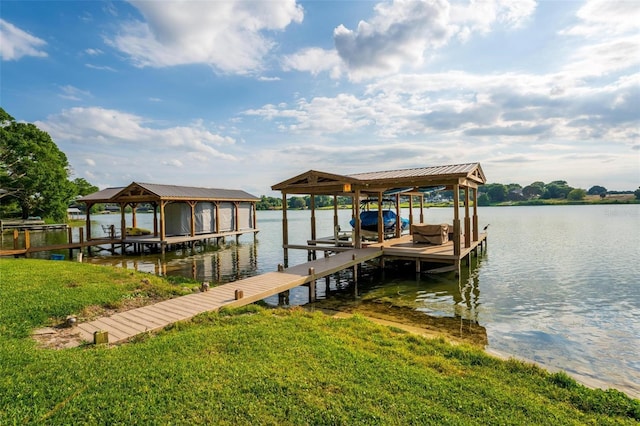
{"x": 369, "y": 219}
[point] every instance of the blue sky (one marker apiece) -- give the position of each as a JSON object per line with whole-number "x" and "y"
{"x": 245, "y": 94}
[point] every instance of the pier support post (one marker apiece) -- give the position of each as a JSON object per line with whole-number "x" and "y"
{"x": 418, "y": 266}
{"x": 283, "y": 298}
{"x": 312, "y": 285}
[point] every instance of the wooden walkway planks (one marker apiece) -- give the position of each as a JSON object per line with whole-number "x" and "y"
{"x": 124, "y": 325}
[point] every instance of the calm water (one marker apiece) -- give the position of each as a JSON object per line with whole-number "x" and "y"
{"x": 558, "y": 285}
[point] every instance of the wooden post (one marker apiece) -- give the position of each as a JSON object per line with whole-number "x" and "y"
{"x": 357, "y": 243}
{"x": 312, "y": 285}
{"x": 410, "y": 213}
{"x": 88, "y": 221}
{"x": 285, "y": 230}
{"x": 123, "y": 224}
{"x": 163, "y": 232}
{"x": 456, "y": 221}
{"x": 192, "y": 228}
{"x": 216, "y": 219}
{"x": 236, "y": 216}
{"x": 312, "y": 204}
{"x": 27, "y": 242}
{"x": 15, "y": 239}
{"x": 398, "y": 228}
{"x": 70, "y": 240}
{"x": 380, "y": 219}
{"x": 421, "y": 208}
{"x": 134, "y": 219}
{"x": 336, "y": 224}
{"x": 100, "y": 337}
{"x": 355, "y": 280}
{"x": 476, "y": 231}
{"x": 467, "y": 219}
{"x": 418, "y": 265}
{"x": 155, "y": 219}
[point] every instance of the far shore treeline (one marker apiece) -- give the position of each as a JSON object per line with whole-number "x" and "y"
{"x": 35, "y": 181}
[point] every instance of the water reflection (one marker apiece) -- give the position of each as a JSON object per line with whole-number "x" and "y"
{"x": 231, "y": 262}
{"x": 442, "y": 304}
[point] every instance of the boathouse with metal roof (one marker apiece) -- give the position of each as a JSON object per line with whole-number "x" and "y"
{"x": 407, "y": 183}
{"x": 181, "y": 214}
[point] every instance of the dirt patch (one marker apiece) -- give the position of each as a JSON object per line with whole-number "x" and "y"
{"x": 62, "y": 336}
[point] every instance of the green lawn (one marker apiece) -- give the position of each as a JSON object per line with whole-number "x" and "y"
{"x": 259, "y": 366}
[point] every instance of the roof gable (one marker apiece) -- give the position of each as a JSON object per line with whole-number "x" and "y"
{"x": 148, "y": 192}
{"x": 316, "y": 182}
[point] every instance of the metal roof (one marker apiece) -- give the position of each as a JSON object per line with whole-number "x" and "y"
{"x": 316, "y": 182}
{"x": 456, "y": 169}
{"x": 150, "y": 192}
{"x": 101, "y": 196}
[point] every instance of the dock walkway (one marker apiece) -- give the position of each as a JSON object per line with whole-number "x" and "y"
{"x": 125, "y": 325}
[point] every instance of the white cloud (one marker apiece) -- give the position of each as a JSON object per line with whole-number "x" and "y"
{"x": 314, "y": 60}
{"x": 115, "y": 130}
{"x": 17, "y": 43}
{"x": 402, "y": 32}
{"x": 611, "y": 30}
{"x": 73, "y": 93}
{"x": 228, "y": 35}
{"x": 603, "y": 18}
{"x": 100, "y": 67}
{"x": 89, "y": 161}
{"x": 93, "y": 52}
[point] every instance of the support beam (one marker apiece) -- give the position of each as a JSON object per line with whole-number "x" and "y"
{"x": 410, "y": 212}
{"x": 123, "y": 224}
{"x": 476, "y": 231}
{"x": 456, "y": 221}
{"x": 134, "y": 219}
{"x": 163, "y": 231}
{"x": 398, "y": 228}
{"x": 88, "y": 223}
{"x": 285, "y": 230}
{"x": 357, "y": 243}
{"x": 380, "y": 219}
{"x": 192, "y": 228}
{"x": 467, "y": 219}
{"x": 155, "y": 219}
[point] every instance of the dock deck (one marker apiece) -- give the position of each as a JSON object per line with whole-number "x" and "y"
{"x": 125, "y": 325}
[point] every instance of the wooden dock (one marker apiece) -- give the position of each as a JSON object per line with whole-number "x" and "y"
{"x": 125, "y": 325}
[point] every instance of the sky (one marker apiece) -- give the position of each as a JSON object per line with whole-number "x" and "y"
{"x": 246, "y": 94}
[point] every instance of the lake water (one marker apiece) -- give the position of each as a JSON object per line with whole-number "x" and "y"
{"x": 558, "y": 285}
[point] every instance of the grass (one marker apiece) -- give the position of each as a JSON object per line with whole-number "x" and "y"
{"x": 259, "y": 366}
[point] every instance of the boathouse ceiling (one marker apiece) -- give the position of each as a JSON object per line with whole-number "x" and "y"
{"x": 147, "y": 193}
{"x": 408, "y": 181}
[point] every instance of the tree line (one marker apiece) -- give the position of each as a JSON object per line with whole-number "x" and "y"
{"x": 34, "y": 173}
{"x": 35, "y": 180}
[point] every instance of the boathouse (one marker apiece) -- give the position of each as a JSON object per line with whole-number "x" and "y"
{"x": 181, "y": 214}
{"x": 410, "y": 184}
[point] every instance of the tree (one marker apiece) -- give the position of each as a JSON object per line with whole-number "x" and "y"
{"x": 496, "y": 192}
{"x": 637, "y": 193}
{"x": 597, "y": 190}
{"x": 296, "y": 203}
{"x": 483, "y": 200}
{"x": 33, "y": 171}
{"x": 535, "y": 190}
{"x": 576, "y": 194}
{"x": 268, "y": 203}
{"x": 556, "y": 189}
{"x": 82, "y": 187}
